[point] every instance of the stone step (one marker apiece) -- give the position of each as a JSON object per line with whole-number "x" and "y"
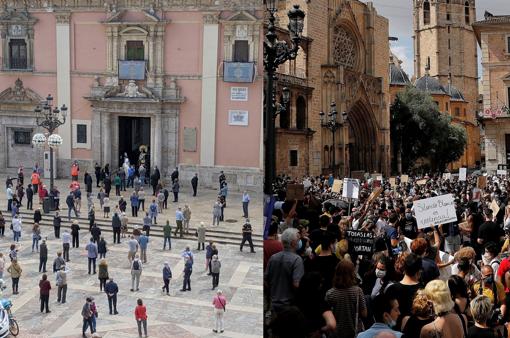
{"x": 223, "y": 237}
{"x": 107, "y": 222}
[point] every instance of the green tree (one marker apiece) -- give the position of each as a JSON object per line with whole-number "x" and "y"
{"x": 419, "y": 130}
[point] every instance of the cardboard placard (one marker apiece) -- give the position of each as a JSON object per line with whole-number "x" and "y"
{"x": 337, "y": 186}
{"x": 350, "y": 188}
{"x": 435, "y": 210}
{"x": 462, "y": 174}
{"x": 501, "y": 172}
{"x": 374, "y": 194}
{"x": 481, "y": 182}
{"x": 360, "y": 242}
{"x": 494, "y": 207}
{"x": 447, "y": 176}
{"x": 404, "y": 178}
{"x": 376, "y": 176}
{"x": 393, "y": 182}
{"x": 295, "y": 192}
{"x": 423, "y": 181}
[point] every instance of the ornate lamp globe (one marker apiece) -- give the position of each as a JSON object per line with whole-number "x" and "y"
{"x": 55, "y": 141}
{"x": 38, "y": 140}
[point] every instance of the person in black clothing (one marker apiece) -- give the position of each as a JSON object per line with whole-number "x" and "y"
{"x": 475, "y": 220}
{"x": 91, "y": 217}
{"x": 95, "y": 231}
{"x": 406, "y": 289}
{"x": 154, "y": 183}
{"x": 166, "y": 194}
{"x": 324, "y": 263}
{"x": 422, "y": 314}
{"x": 481, "y": 308}
{"x": 111, "y": 289}
{"x": 175, "y": 174}
{"x": 409, "y": 225}
{"x": 88, "y": 182}
{"x": 43, "y": 256}
{"x": 489, "y": 231}
{"x": 222, "y": 179}
{"x": 317, "y": 234}
{"x": 101, "y": 248}
{"x": 37, "y": 216}
{"x": 107, "y": 170}
{"x": 194, "y": 184}
{"x": 57, "y": 221}
{"x": 116, "y": 225}
{"x": 122, "y": 204}
{"x": 30, "y": 197}
{"x": 97, "y": 172}
{"x": 107, "y": 184}
{"x": 75, "y": 232}
{"x": 247, "y": 231}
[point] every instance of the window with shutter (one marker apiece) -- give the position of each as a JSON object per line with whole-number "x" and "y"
{"x": 135, "y": 51}
{"x": 81, "y": 133}
{"x": 241, "y": 51}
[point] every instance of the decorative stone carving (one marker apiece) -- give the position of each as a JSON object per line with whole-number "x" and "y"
{"x": 112, "y": 81}
{"x": 345, "y": 48}
{"x": 20, "y": 94}
{"x": 210, "y": 19}
{"x": 63, "y": 17}
{"x": 131, "y": 90}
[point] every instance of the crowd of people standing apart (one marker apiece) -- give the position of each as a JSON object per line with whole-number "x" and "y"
{"x": 97, "y": 247}
{"x": 447, "y": 280}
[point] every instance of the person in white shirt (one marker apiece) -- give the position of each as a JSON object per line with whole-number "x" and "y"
{"x": 16, "y": 227}
{"x": 246, "y": 202}
{"x": 9, "y": 194}
{"x": 136, "y": 272}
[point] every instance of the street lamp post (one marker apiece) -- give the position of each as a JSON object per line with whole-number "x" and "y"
{"x": 333, "y": 125}
{"x": 276, "y": 53}
{"x": 50, "y": 119}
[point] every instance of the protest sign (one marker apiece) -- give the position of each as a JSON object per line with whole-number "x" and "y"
{"x": 337, "y": 186}
{"x": 360, "y": 242}
{"x": 379, "y": 178}
{"x": 404, "y": 178}
{"x": 462, "y": 174}
{"x": 481, "y": 182}
{"x": 350, "y": 188}
{"x": 295, "y": 192}
{"x": 393, "y": 182}
{"x": 435, "y": 210}
{"x": 422, "y": 181}
{"x": 447, "y": 176}
{"x": 375, "y": 193}
{"x": 494, "y": 207}
{"x": 501, "y": 172}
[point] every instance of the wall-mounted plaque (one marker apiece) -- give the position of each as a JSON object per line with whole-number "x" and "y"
{"x": 190, "y": 139}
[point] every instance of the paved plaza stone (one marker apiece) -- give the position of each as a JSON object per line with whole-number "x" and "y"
{"x": 182, "y": 314}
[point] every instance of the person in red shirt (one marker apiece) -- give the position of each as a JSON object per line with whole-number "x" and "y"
{"x": 141, "y": 317}
{"x": 504, "y": 267}
{"x": 75, "y": 169}
{"x": 272, "y": 245}
{"x": 45, "y": 287}
{"x": 36, "y": 179}
{"x": 43, "y": 192}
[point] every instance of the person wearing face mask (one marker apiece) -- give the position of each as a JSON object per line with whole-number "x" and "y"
{"x": 409, "y": 226}
{"x": 386, "y": 311}
{"x": 325, "y": 262}
{"x": 491, "y": 288}
{"x": 490, "y": 256}
{"x": 446, "y": 324}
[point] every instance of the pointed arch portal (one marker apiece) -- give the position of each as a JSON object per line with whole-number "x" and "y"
{"x": 363, "y": 141}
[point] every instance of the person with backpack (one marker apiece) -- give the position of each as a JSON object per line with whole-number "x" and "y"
{"x": 215, "y": 271}
{"x": 102, "y": 248}
{"x": 43, "y": 256}
{"x": 153, "y": 211}
{"x": 61, "y": 277}
{"x": 219, "y": 302}
{"x": 136, "y": 272}
{"x": 167, "y": 276}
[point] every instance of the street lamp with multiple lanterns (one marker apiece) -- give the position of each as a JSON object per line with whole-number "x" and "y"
{"x": 330, "y": 122}
{"x": 276, "y": 53}
{"x": 50, "y": 119}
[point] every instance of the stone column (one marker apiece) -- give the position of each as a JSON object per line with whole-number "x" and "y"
{"x": 64, "y": 80}
{"x": 156, "y": 130}
{"x": 209, "y": 74}
{"x": 106, "y": 139}
{"x": 115, "y": 49}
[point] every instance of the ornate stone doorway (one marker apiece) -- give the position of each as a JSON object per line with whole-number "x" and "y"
{"x": 363, "y": 146}
{"x": 134, "y": 132}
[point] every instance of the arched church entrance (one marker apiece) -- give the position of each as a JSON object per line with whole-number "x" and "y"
{"x": 362, "y": 139}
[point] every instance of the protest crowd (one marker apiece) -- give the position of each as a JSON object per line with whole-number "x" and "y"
{"x": 412, "y": 257}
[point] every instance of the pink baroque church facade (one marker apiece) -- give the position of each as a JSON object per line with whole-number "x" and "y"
{"x": 179, "y": 79}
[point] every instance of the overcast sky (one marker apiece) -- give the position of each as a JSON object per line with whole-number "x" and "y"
{"x": 400, "y": 16}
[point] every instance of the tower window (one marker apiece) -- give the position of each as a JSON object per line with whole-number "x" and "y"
{"x": 447, "y": 16}
{"x": 449, "y": 44}
{"x": 447, "y": 107}
{"x": 426, "y": 13}
{"x": 448, "y": 29}
{"x": 508, "y": 44}
{"x": 449, "y": 61}
{"x": 457, "y": 111}
{"x": 466, "y": 12}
